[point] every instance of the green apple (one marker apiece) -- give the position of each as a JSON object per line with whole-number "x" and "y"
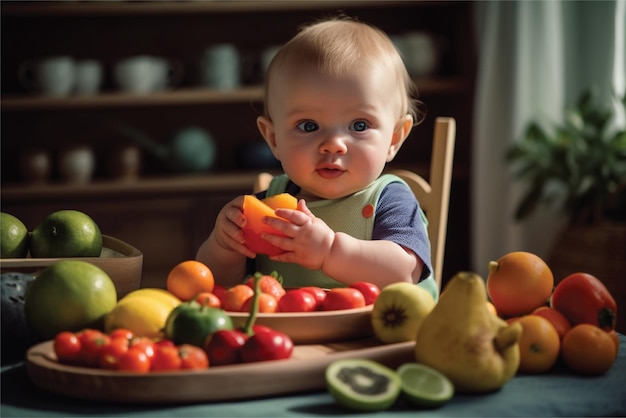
{"x": 399, "y": 311}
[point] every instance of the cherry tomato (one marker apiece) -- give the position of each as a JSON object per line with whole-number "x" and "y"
{"x": 208, "y": 299}
{"x": 165, "y": 358}
{"x": 297, "y": 300}
{"x": 67, "y": 347}
{"x": 111, "y": 353}
{"x": 122, "y": 332}
{"x": 92, "y": 342}
{"x": 144, "y": 344}
{"x": 134, "y": 360}
{"x": 223, "y": 347}
{"x": 343, "y": 298}
{"x": 370, "y": 291}
{"x": 192, "y": 357}
{"x": 318, "y": 293}
{"x": 164, "y": 343}
{"x": 584, "y": 299}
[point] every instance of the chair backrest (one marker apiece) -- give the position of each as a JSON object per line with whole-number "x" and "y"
{"x": 433, "y": 195}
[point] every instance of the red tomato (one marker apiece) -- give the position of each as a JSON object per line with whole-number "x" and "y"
{"x": 297, "y": 300}
{"x": 219, "y": 291}
{"x": 92, "y": 342}
{"x": 343, "y": 298}
{"x": 67, "y": 347}
{"x": 268, "y": 345}
{"x": 165, "y": 358}
{"x": 144, "y": 344}
{"x": 134, "y": 360}
{"x": 318, "y": 293}
{"x": 111, "y": 354}
{"x": 584, "y": 299}
{"x": 121, "y": 333}
{"x": 370, "y": 291}
{"x": 192, "y": 357}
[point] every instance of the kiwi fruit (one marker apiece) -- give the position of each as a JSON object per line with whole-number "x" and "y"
{"x": 362, "y": 385}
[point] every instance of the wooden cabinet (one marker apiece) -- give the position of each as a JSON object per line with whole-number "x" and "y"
{"x": 167, "y": 214}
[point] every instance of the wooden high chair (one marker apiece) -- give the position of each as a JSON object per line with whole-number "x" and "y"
{"x": 433, "y": 196}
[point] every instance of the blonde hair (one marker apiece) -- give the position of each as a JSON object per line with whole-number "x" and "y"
{"x": 335, "y": 47}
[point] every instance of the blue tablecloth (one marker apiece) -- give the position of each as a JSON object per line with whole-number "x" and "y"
{"x": 559, "y": 393}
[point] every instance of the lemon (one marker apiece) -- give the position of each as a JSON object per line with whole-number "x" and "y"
{"x": 66, "y": 233}
{"x": 13, "y": 237}
{"x": 70, "y": 295}
{"x": 425, "y": 386}
{"x": 155, "y": 293}
{"x": 144, "y": 315}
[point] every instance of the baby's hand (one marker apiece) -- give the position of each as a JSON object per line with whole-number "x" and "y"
{"x": 228, "y": 226}
{"x": 308, "y": 239}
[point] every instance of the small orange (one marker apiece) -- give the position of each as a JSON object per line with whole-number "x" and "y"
{"x": 518, "y": 283}
{"x": 539, "y": 345}
{"x": 267, "y": 303}
{"x": 189, "y": 278}
{"x": 556, "y": 318}
{"x": 235, "y": 297}
{"x": 615, "y": 338}
{"x": 587, "y": 349}
{"x": 208, "y": 299}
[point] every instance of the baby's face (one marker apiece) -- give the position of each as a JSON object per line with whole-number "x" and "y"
{"x": 334, "y": 136}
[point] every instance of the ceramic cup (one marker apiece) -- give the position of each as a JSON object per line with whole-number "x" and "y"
{"x": 88, "y": 77}
{"x": 35, "y": 166}
{"x": 77, "y": 164}
{"x": 220, "y": 67}
{"x": 145, "y": 73}
{"x": 125, "y": 163}
{"x": 51, "y": 76}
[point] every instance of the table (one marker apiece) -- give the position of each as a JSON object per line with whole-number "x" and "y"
{"x": 559, "y": 393}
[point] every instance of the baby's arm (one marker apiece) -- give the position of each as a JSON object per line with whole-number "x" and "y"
{"x": 311, "y": 243}
{"x": 224, "y": 251}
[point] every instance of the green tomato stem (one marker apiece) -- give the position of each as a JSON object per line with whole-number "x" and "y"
{"x": 255, "y": 305}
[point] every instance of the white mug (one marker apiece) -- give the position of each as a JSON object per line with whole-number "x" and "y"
{"x": 50, "y": 76}
{"x": 77, "y": 165}
{"x": 88, "y": 77}
{"x": 221, "y": 67}
{"x": 145, "y": 73}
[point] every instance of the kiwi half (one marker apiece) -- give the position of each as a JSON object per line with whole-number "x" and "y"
{"x": 362, "y": 385}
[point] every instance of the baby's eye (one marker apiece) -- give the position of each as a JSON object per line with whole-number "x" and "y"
{"x": 359, "y": 126}
{"x": 308, "y": 126}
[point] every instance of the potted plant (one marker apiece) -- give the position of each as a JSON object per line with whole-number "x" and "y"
{"x": 580, "y": 167}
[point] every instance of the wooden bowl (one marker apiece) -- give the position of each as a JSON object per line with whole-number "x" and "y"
{"x": 315, "y": 327}
{"x": 121, "y": 261}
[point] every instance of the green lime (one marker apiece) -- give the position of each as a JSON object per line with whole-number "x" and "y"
{"x": 70, "y": 295}
{"x": 66, "y": 233}
{"x": 13, "y": 237}
{"x": 425, "y": 386}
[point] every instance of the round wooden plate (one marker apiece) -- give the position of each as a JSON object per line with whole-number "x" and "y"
{"x": 315, "y": 327}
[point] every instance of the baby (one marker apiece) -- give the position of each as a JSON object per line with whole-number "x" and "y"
{"x": 338, "y": 107}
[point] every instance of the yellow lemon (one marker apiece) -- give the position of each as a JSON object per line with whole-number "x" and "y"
{"x": 155, "y": 293}
{"x": 145, "y": 316}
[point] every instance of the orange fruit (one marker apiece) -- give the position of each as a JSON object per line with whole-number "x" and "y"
{"x": 518, "y": 283}
{"x": 539, "y": 345}
{"x": 587, "y": 349}
{"x": 267, "y": 304}
{"x": 556, "y": 318}
{"x": 189, "y": 278}
{"x": 615, "y": 338}
{"x": 235, "y": 297}
{"x": 208, "y": 299}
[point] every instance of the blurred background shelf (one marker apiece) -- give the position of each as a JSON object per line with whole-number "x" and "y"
{"x": 163, "y": 213}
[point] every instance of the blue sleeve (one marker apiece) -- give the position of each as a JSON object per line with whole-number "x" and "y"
{"x": 399, "y": 219}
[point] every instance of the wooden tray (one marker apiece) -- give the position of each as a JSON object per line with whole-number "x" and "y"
{"x": 304, "y": 371}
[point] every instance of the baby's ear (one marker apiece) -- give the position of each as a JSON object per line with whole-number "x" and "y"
{"x": 266, "y": 127}
{"x": 400, "y": 134}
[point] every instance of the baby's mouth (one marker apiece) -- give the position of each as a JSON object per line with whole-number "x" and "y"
{"x": 330, "y": 171}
